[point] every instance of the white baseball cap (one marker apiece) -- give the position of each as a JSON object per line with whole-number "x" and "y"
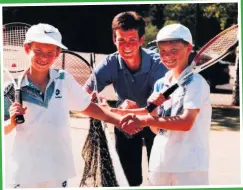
{"x": 44, "y": 33}
{"x": 174, "y": 32}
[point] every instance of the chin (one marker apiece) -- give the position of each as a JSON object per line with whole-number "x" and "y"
{"x": 41, "y": 69}
{"x": 127, "y": 56}
{"x": 170, "y": 66}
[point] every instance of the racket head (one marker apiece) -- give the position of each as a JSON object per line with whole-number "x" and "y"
{"x": 74, "y": 64}
{"x": 10, "y": 78}
{"x": 12, "y": 89}
{"x": 15, "y": 59}
{"x": 10, "y": 85}
{"x": 217, "y": 46}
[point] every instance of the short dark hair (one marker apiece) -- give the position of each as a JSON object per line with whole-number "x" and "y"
{"x": 127, "y": 21}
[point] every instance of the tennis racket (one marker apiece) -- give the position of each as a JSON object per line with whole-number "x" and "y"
{"x": 74, "y": 64}
{"x": 15, "y": 61}
{"x": 216, "y": 49}
{"x": 81, "y": 70}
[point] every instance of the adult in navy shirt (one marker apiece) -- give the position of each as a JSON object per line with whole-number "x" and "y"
{"x": 133, "y": 72}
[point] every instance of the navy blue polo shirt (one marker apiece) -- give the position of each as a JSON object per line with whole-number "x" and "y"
{"x": 136, "y": 86}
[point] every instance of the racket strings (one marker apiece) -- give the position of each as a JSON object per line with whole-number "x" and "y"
{"x": 14, "y": 57}
{"x": 9, "y": 92}
{"x": 218, "y": 46}
{"x": 10, "y": 33}
{"x": 73, "y": 65}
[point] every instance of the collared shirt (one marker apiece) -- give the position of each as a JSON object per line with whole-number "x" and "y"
{"x": 42, "y": 146}
{"x": 135, "y": 86}
{"x": 183, "y": 151}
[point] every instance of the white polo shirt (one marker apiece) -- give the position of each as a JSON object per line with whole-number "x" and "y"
{"x": 184, "y": 151}
{"x": 42, "y": 147}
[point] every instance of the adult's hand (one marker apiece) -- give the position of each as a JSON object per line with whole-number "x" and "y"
{"x": 128, "y": 104}
{"x": 131, "y": 124}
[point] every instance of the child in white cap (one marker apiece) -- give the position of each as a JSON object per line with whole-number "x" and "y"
{"x": 180, "y": 152}
{"x": 42, "y": 146}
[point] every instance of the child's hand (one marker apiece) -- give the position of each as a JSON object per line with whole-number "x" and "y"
{"x": 131, "y": 124}
{"x": 16, "y": 109}
{"x": 156, "y": 98}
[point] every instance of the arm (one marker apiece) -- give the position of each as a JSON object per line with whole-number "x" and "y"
{"x": 156, "y": 98}
{"x": 182, "y": 122}
{"x": 10, "y": 124}
{"x": 97, "y": 112}
{"x": 137, "y": 111}
{"x": 100, "y": 113}
{"x": 197, "y": 93}
{"x": 104, "y": 72}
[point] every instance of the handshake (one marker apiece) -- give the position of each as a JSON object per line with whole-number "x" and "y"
{"x": 131, "y": 124}
{"x": 134, "y": 119}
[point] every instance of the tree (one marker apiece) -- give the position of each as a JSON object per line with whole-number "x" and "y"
{"x": 236, "y": 88}
{"x": 150, "y": 33}
{"x": 205, "y": 20}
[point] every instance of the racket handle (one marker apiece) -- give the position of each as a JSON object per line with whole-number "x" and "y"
{"x": 166, "y": 94}
{"x": 18, "y": 98}
{"x": 151, "y": 107}
{"x": 170, "y": 90}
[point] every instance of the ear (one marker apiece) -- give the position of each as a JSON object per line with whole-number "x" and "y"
{"x": 114, "y": 39}
{"x": 27, "y": 48}
{"x": 59, "y": 50}
{"x": 189, "y": 49}
{"x": 141, "y": 40}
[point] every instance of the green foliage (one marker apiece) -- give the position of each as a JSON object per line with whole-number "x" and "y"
{"x": 226, "y": 13}
{"x": 156, "y": 13}
{"x": 150, "y": 33}
{"x": 204, "y": 20}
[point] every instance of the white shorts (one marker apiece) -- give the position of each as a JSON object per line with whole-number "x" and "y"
{"x": 178, "y": 179}
{"x": 48, "y": 184}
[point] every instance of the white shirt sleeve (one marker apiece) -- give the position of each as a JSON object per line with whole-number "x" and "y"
{"x": 197, "y": 92}
{"x": 79, "y": 99}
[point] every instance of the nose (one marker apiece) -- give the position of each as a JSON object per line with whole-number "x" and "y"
{"x": 128, "y": 43}
{"x": 44, "y": 56}
{"x": 168, "y": 53}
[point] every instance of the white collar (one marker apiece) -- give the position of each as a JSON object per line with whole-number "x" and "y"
{"x": 53, "y": 73}
{"x": 168, "y": 75}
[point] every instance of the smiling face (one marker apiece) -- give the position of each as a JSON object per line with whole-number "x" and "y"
{"x": 174, "y": 54}
{"x": 128, "y": 44}
{"x": 41, "y": 55}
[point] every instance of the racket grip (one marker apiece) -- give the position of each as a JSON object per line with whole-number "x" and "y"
{"x": 166, "y": 94}
{"x": 170, "y": 90}
{"x": 18, "y": 98}
{"x": 151, "y": 107}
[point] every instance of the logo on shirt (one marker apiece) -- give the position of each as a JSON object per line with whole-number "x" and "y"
{"x": 58, "y": 94}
